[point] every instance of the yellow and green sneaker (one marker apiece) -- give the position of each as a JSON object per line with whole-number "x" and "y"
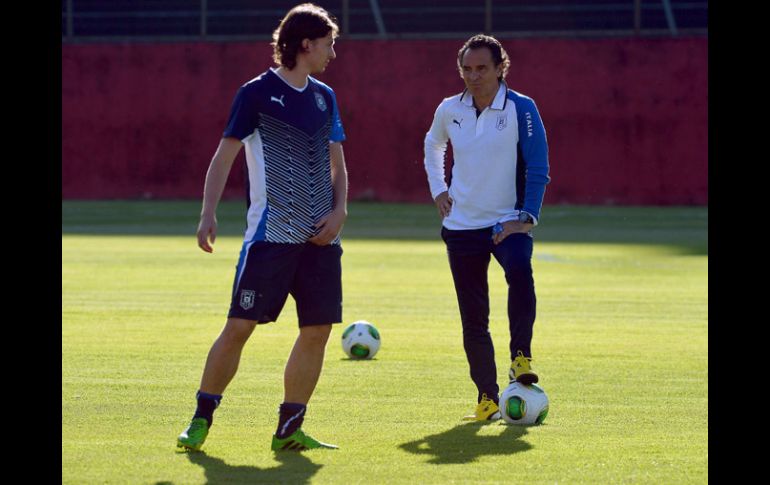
{"x": 298, "y": 441}
{"x": 486, "y": 410}
{"x": 521, "y": 370}
{"x": 193, "y": 437}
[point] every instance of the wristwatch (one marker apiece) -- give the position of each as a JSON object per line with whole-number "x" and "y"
{"x": 526, "y": 218}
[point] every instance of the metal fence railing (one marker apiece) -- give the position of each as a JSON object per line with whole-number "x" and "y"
{"x": 170, "y": 20}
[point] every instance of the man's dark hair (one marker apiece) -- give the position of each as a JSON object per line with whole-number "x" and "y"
{"x": 306, "y": 21}
{"x": 499, "y": 56}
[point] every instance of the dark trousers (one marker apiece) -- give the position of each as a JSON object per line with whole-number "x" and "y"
{"x": 469, "y": 255}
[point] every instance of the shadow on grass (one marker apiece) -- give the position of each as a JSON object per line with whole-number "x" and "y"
{"x": 463, "y": 444}
{"x": 294, "y": 468}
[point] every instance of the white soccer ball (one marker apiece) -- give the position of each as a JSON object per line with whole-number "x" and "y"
{"x": 520, "y": 404}
{"x": 361, "y": 340}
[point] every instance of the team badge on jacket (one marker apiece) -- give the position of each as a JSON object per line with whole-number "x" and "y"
{"x": 502, "y": 122}
{"x": 247, "y": 299}
{"x": 319, "y": 100}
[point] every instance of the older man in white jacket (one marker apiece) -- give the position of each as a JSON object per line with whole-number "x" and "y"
{"x": 498, "y": 182}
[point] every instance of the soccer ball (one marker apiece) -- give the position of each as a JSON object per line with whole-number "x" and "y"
{"x": 361, "y": 340}
{"x": 520, "y": 404}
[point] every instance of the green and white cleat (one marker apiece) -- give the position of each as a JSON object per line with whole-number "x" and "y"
{"x": 193, "y": 437}
{"x": 298, "y": 441}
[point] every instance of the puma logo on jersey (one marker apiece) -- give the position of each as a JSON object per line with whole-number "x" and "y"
{"x": 279, "y": 101}
{"x": 458, "y": 122}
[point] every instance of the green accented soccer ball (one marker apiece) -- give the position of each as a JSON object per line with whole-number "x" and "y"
{"x": 520, "y": 404}
{"x": 360, "y": 340}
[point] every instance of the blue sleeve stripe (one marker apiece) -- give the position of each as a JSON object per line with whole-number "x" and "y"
{"x": 338, "y": 133}
{"x": 534, "y": 152}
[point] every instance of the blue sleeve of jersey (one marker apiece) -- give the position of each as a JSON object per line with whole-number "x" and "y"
{"x": 534, "y": 149}
{"x": 338, "y": 133}
{"x": 244, "y": 116}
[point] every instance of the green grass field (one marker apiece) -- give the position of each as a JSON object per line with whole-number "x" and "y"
{"x": 621, "y": 342}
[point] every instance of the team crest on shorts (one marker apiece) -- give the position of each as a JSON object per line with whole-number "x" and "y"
{"x": 247, "y": 299}
{"x": 502, "y": 122}
{"x": 320, "y": 101}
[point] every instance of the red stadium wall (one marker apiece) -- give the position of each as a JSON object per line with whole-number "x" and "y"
{"x": 626, "y": 119}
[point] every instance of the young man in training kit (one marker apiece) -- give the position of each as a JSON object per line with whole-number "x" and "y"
{"x": 498, "y": 181}
{"x": 297, "y": 204}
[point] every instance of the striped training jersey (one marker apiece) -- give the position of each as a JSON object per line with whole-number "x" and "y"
{"x": 286, "y": 132}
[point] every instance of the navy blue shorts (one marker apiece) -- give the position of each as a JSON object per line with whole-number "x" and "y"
{"x": 268, "y": 272}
